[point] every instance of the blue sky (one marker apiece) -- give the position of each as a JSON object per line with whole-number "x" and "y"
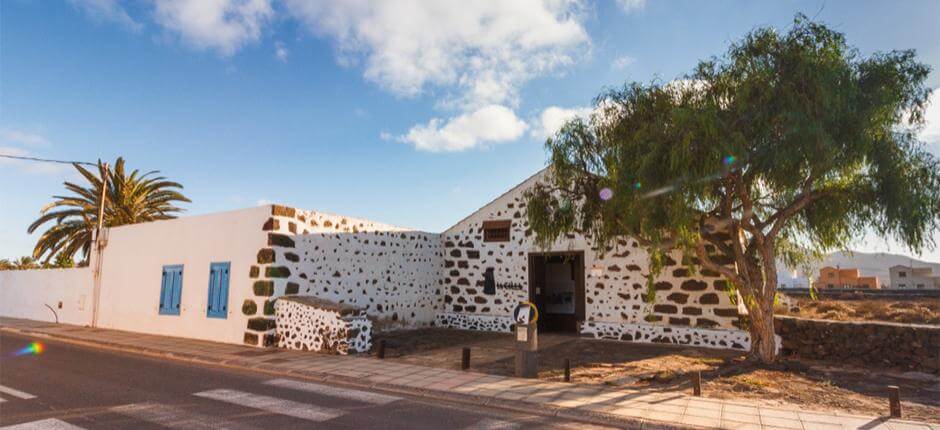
{"x": 411, "y": 113}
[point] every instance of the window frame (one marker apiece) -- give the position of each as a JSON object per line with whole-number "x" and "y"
{"x": 497, "y": 225}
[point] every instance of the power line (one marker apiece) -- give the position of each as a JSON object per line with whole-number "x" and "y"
{"x": 46, "y": 160}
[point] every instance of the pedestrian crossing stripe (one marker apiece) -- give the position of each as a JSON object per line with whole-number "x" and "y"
{"x": 272, "y": 404}
{"x": 16, "y": 393}
{"x": 491, "y": 424}
{"x": 343, "y": 393}
{"x": 46, "y": 424}
{"x": 175, "y": 417}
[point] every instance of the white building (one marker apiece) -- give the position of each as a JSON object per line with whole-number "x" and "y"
{"x": 215, "y": 277}
{"x": 909, "y": 277}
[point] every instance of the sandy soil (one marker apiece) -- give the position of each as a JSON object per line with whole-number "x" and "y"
{"x": 813, "y": 385}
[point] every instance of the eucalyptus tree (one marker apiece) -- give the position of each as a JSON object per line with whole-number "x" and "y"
{"x": 788, "y": 146}
{"x": 130, "y": 198}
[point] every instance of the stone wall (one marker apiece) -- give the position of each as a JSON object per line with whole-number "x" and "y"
{"x": 392, "y": 273}
{"x": 616, "y": 302}
{"x": 310, "y": 324}
{"x": 879, "y": 344}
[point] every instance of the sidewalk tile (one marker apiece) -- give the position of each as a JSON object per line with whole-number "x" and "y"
{"x": 713, "y": 412}
{"x": 780, "y": 423}
{"x": 896, "y": 425}
{"x": 741, "y": 418}
{"x": 821, "y": 426}
{"x": 737, "y": 425}
{"x": 700, "y": 421}
{"x": 778, "y": 413}
{"x": 663, "y": 416}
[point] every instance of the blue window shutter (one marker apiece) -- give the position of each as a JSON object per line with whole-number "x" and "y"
{"x": 164, "y": 292}
{"x": 171, "y": 289}
{"x": 217, "y": 304}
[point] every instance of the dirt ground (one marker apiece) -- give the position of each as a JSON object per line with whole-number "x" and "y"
{"x": 725, "y": 374}
{"x": 916, "y": 311}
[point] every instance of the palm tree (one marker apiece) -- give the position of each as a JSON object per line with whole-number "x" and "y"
{"x": 129, "y": 199}
{"x": 22, "y": 263}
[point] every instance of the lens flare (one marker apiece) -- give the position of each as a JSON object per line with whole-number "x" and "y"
{"x": 729, "y": 160}
{"x": 606, "y": 194}
{"x": 34, "y": 348}
{"x": 637, "y": 186}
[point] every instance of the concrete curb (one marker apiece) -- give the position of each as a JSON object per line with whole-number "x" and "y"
{"x": 531, "y": 408}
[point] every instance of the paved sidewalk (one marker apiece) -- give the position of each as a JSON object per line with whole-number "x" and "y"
{"x": 630, "y": 408}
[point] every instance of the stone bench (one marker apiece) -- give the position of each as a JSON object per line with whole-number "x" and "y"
{"x": 313, "y": 324}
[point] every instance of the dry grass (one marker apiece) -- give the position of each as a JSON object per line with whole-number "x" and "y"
{"x": 919, "y": 311}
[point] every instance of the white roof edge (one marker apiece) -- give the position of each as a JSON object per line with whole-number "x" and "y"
{"x": 532, "y": 176}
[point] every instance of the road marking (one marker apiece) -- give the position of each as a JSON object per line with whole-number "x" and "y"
{"x": 16, "y": 393}
{"x": 272, "y": 404}
{"x": 344, "y": 393}
{"x": 174, "y": 417}
{"x": 46, "y": 424}
{"x": 491, "y": 424}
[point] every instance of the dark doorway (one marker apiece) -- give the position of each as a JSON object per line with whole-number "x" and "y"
{"x": 556, "y": 287}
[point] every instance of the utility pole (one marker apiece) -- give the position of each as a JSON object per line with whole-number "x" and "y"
{"x": 99, "y": 245}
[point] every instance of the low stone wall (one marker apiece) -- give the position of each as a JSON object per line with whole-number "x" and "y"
{"x": 880, "y": 344}
{"x": 312, "y": 324}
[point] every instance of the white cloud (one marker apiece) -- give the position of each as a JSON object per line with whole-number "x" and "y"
{"x": 19, "y": 137}
{"x": 107, "y": 11}
{"x": 221, "y": 25}
{"x": 281, "y": 52}
{"x": 631, "y": 5}
{"x": 488, "y": 125}
{"x": 553, "y": 118}
{"x": 478, "y": 52}
{"x": 264, "y": 202}
{"x": 622, "y": 62}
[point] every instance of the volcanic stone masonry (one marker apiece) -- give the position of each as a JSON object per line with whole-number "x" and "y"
{"x": 390, "y": 272}
{"x": 689, "y": 308}
{"x": 312, "y": 324}
{"x": 405, "y": 278}
{"x": 872, "y": 343}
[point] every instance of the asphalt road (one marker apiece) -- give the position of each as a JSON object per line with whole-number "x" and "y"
{"x": 74, "y": 387}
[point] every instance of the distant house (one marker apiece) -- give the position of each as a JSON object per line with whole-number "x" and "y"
{"x": 835, "y": 277}
{"x": 909, "y": 277}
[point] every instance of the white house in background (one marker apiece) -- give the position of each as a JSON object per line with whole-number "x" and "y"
{"x": 216, "y": 277}
{"x": 913, "y": 278}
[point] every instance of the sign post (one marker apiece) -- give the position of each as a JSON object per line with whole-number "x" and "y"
{"x": 527, "y": 340}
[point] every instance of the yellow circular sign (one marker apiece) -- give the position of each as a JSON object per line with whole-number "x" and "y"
{"x": 526, "y": 313}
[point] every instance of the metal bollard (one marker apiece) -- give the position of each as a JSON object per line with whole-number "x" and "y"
{"x": 465, "y": 359}
{"x": 567, "y": 370}
{"x": 696, "y": 383}
{"x": 381, "y": 352}
{"x": 894, "y": 400}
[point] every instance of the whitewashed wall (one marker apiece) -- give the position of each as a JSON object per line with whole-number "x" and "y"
{"x": 391, "y": 272}
{"x": 25, "y": 294}
{"x": 693, "y": 309}
{"x": 132, "y": 269}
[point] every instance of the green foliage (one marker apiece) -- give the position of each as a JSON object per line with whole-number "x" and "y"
{"x": 790, "y": 145}
{"x": 130, "y": 198}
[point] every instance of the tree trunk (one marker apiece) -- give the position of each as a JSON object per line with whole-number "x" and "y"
{"x": 761, "y": 312}
{"x": 761, "y": 329}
